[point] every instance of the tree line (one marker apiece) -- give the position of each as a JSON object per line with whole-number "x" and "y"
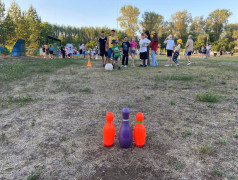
{"x": 215, "y": 29}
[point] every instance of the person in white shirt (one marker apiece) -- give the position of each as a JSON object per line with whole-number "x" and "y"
{"x": 170, "y": 48}
{"x": 144, "y": 43}
{"x": 70, "y": 54}
{"x": 208, "y": 48}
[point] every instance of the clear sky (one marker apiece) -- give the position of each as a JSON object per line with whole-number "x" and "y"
{"x": 104, "y": 12}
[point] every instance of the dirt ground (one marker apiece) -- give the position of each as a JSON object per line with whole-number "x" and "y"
{"x": 51, "y": 121}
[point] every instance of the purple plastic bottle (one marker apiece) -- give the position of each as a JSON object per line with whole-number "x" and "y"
{"x": 125, "y": 133}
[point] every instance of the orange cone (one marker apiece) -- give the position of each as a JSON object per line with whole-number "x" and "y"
{"x": 89, "y": 63}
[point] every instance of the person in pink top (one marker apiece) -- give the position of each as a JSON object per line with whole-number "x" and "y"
{"x": 133, "y": 50}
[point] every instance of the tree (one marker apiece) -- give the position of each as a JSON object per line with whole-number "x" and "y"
{"x": 45, "y": 30}
{"x": 152, "y": 22}
{"x": 235, "y": 36}
{"x": 201, "y": 39}
{"x": 9, "y": 27}
{"x": 2, "y": 28}
{"x": 181, "y": 20}
{"x": 218, "y": 20}
{"x": 129, "y": 19}
{"x": 34, "y": 27}
{"x": 197, "y": 26}
{"x": 15, "y": 15}
{"x": 91, "y": 44}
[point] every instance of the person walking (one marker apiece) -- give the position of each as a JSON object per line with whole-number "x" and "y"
{"x": 177, "y": 52}
{"x": 189, "y": 49}
{"x": 147, "y": 35}
{"x": 170, "y": 48}
{"x": 154, "y": 48}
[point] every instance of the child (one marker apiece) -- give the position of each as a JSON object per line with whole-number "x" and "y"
{"x": 125, "y": 53}
{"x": 144, "y": 43}
{"x": 154, "y": 49}
{"x": 109, "y": 45}
{"x": 170, "y": 48}
{"x": 102, "y": 47}
{"x": 116, "y": 53}
{"x": 133, "y": 50}
{"x": 177, "y": 51}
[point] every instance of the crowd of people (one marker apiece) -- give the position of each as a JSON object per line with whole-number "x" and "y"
{"x": 70, "y": 52}
{"x": 111, "y": 51}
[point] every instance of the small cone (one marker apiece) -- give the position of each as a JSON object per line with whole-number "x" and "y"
{"x": 89, "y": 63}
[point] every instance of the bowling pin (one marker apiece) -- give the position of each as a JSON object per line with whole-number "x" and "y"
{"x": 139, "y": 130}
{"x": 125, "y": 133}
{"x": 109, "y": 131}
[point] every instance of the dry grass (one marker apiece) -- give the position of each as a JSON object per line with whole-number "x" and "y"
{"x": 56, "y": 132}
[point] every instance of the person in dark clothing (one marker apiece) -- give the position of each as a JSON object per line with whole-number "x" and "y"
{"x": 147, "y": 35}
{"x": 102, "y": 43}
{"x": 62, "y": 52}
{"x": 125, "y": 51}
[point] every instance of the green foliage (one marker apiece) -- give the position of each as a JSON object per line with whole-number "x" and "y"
{"x": 152, "y": 22}
{"x": 34, "y": 176}
{"x": 218, "y": 19}
{"x": 91, "y": 45}
{"x": 174, "y": 78}
{"x": 129, "y": 19}
{"x": 181, "y": 21}
{"x": 221, "y": 44}
{"x": 86, "y": 90}
{"x": 208, "y": 97}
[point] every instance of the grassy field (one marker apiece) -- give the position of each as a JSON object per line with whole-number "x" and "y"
{"x": 52, "y": 113}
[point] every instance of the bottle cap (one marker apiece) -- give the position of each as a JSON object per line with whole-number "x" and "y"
{"x": 125, "y": 113}
{"x": 109, "y": 117}
{"x": 139, "y": 117}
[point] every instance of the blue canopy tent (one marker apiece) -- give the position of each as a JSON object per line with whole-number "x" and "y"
{"x": 19, "y": 48}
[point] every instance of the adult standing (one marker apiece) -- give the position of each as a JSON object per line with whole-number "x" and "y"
{"x": 154, "y": 48}
{"x": 170, "y": 48}
{"x": 208, "y": 51}
{"x": 147, "y": 35}
{"x": 109, "y": 45}
{"x": 189, "y": 49}
{"x": 102, "y": 47}
{"x": 84, "y": 51}
{"x": 62, "y": 49}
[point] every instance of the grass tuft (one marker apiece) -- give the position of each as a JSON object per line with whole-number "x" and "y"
{"x": 86, "y": 90}
{"x": 208, "y": 97}
{"x": 34, "y": 176}
{"x": 205, "y": 148}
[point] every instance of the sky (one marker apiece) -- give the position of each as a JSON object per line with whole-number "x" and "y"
{"x": 105, "y": 12}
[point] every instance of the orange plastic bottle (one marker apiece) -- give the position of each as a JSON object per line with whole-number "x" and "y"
{"x": 139, "y": 130}
{"x": 109, "y": 131}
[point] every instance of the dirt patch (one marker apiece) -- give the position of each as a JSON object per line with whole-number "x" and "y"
{"x": 60, "y": 136}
